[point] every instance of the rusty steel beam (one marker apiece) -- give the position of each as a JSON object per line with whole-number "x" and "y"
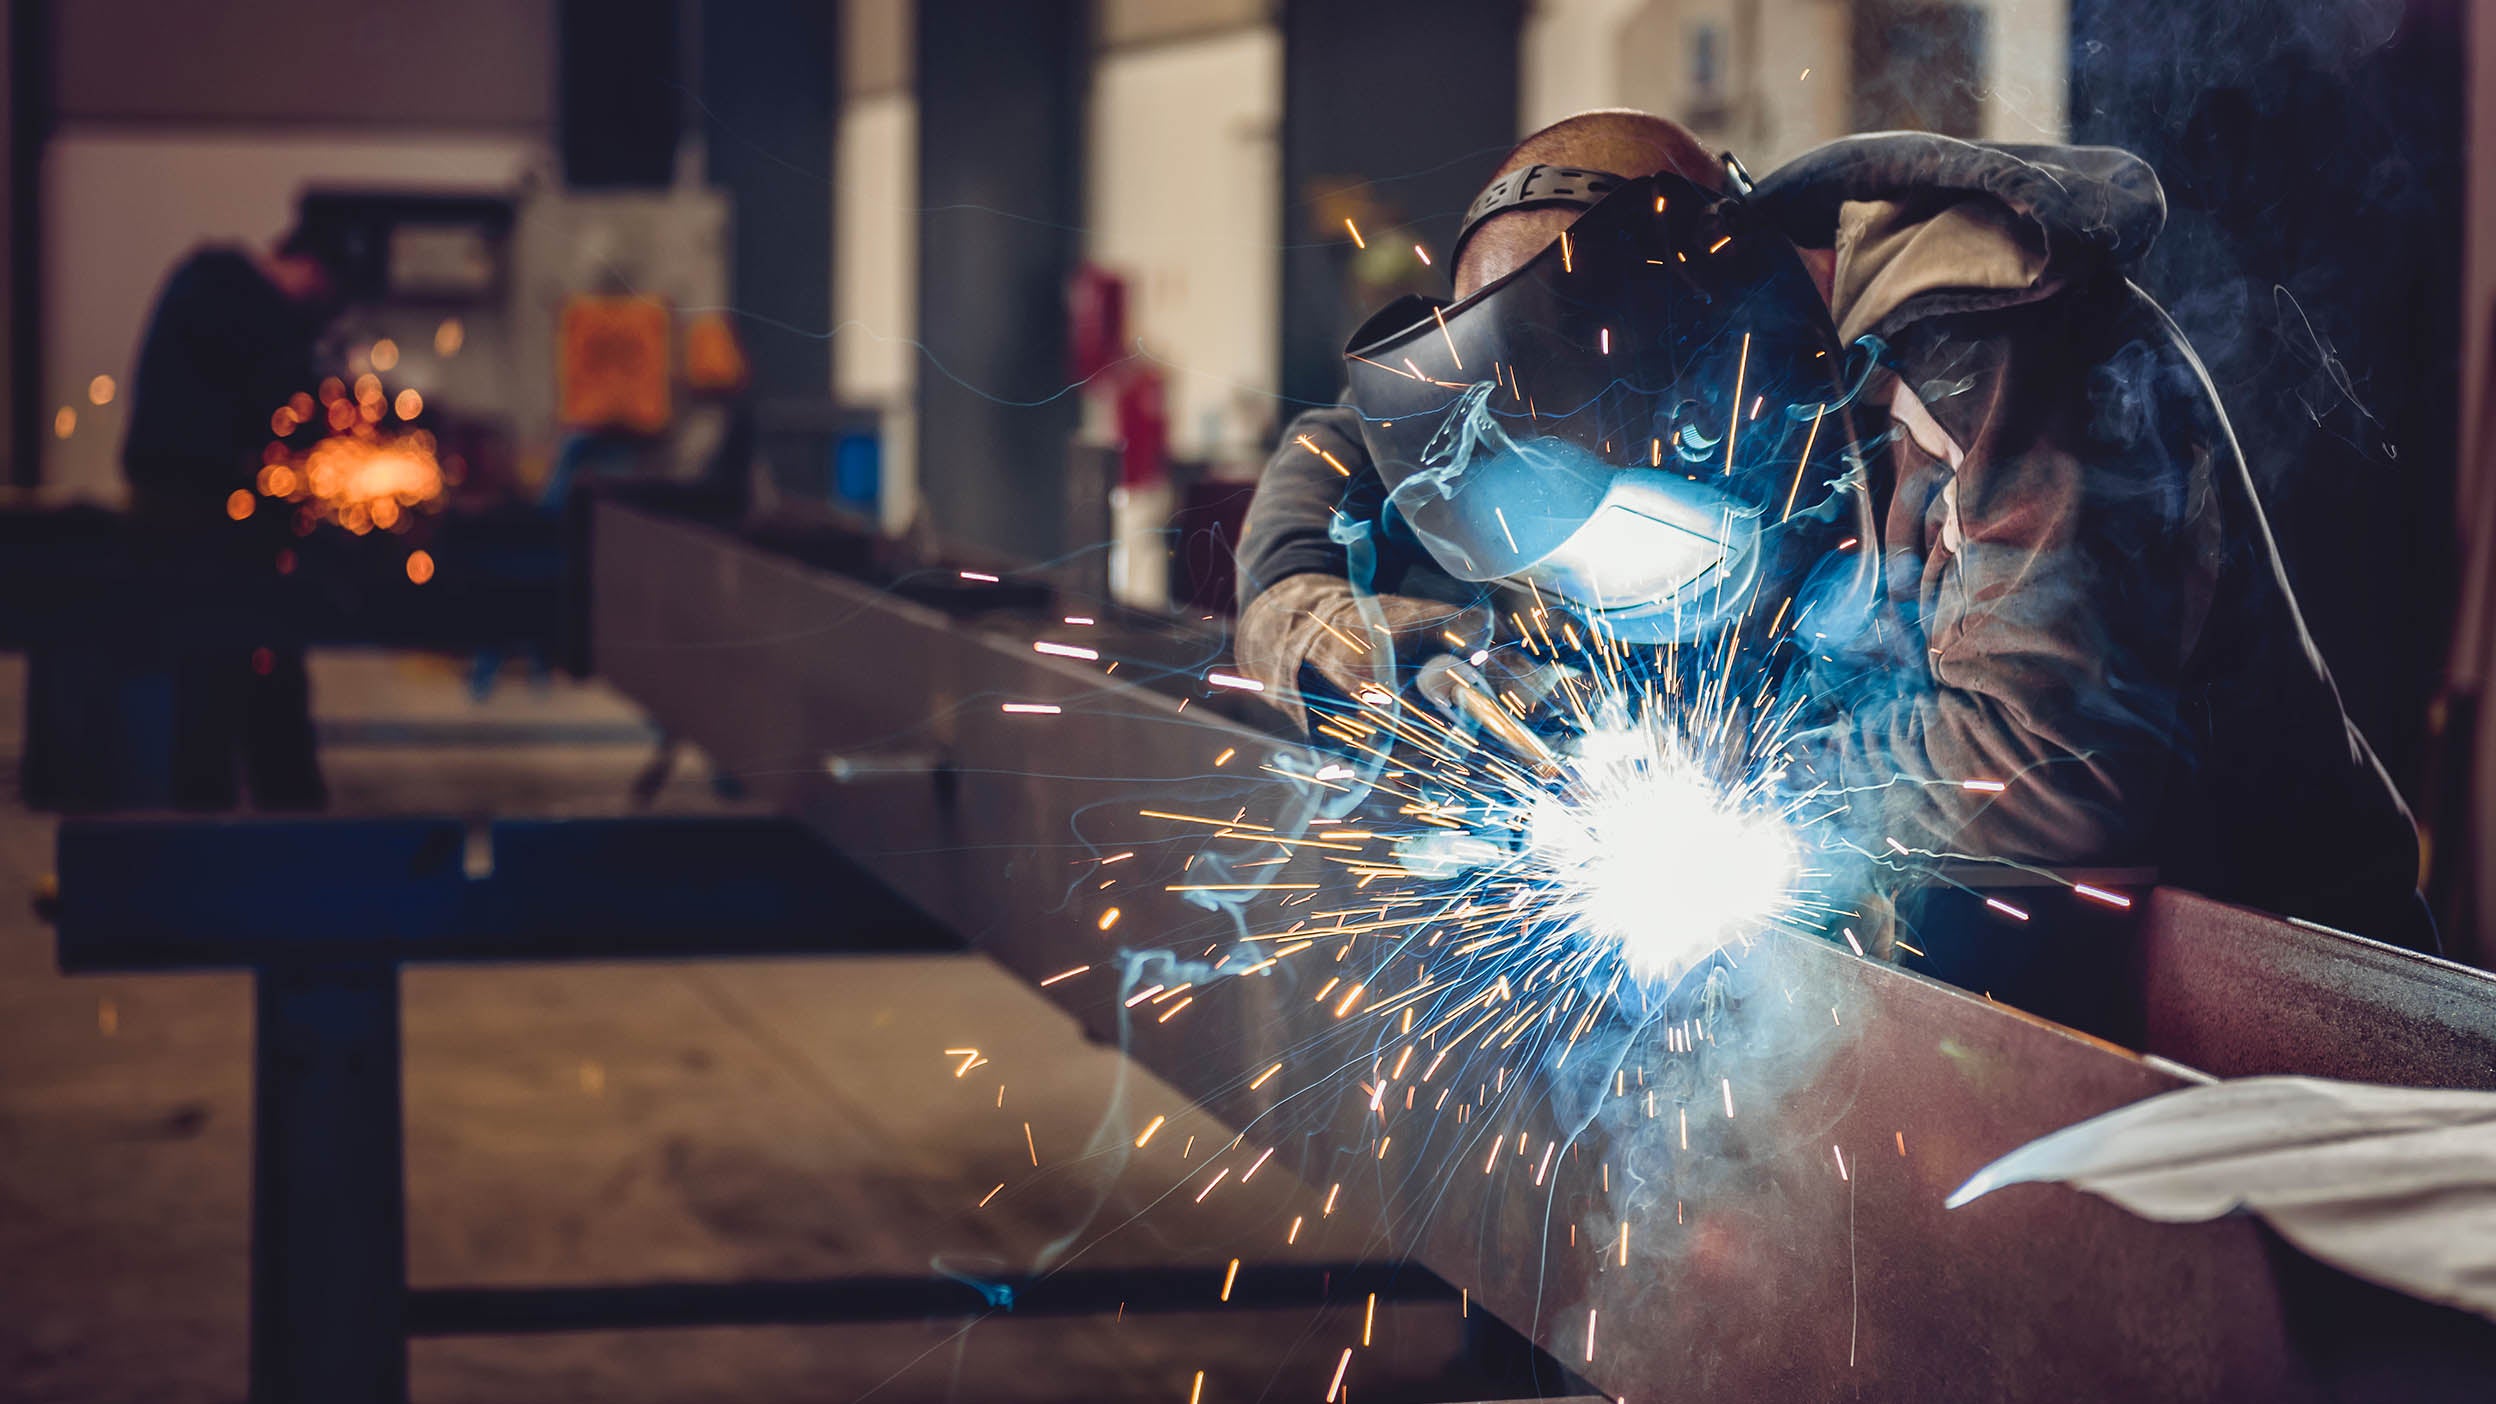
{"x": 1797, "y": 1249}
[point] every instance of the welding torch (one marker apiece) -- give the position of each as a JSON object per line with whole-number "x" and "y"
{"x": 1458, "y": 689}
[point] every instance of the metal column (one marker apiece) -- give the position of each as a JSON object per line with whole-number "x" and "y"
{"x": 1001, "y": 129}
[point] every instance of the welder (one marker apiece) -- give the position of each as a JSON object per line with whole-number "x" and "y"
{"x": 232, "y": 337}
{"x": 2071, "y": 592}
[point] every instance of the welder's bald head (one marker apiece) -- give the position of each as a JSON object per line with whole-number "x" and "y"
{"x": 1620, "y": 140}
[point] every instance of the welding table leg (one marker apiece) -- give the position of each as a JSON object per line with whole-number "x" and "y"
{"x": 329, "y": 1198}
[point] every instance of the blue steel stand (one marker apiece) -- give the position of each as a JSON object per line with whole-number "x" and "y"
{"x": 323, "y": 913}
{"x": 329, "y": 1194}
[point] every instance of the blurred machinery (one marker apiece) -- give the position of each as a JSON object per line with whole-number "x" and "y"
{"x": 525, "y": 318}
{"x": 499, "y": 350}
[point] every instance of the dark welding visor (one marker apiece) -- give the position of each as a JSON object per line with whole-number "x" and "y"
{"x": 1632, "y": 421}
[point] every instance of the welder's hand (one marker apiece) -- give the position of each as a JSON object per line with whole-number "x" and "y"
{"x": 1527, "y": 683}
{"x": 1312, "y": 630}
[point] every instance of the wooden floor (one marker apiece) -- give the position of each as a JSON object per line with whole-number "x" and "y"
{"x": 615, "y": 1123}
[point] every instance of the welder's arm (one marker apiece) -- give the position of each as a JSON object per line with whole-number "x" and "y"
{"x": 1319, "y": 468}
{"x": 1302, "y": 625}
{"x": 2062, "y": 580}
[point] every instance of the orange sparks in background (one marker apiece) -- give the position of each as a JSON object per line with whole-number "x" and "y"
{"x": 385, "y": 354}
{"x": 983, "y": 1199}
{"x": 238, "y": 504}
{"x": 1340, "y": 1366}
{"x": 64, "y": 423}
{"x": 1109, "y": 919}
{"x": 1357, "y": 241}
{"x": 1369, "y": 1320}
{"x": 361, "y": 479}
{"x": 409, "y": 404}
{"x": 100, "y": 391}
{"x": 1294, "y": 1235}
{"x": 1422, "y": 254}
{"x": 1149, "y": 1130}
{"x": 419, "y": 566}
{"x": 1228, "y": 1278}
{"x": 1194, "y": 1396}
{"x": 449, "y": 337}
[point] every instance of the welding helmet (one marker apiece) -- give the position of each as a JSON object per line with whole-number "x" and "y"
{"x": 1643, "y": 421}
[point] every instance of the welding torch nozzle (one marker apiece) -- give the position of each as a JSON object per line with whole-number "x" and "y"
{"x": 1459, "y": 690}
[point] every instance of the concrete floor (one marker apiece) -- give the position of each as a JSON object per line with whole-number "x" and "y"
{"x": 616, "y": 1123}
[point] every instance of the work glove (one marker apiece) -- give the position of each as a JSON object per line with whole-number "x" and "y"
{"x": 1311, "y": 632}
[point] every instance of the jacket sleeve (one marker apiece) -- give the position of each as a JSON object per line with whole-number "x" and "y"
{"x": 2050, "y": 553}
{"x": 1320, "y": 467}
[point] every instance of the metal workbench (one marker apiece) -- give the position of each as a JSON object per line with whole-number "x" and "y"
{"x": 1804, "y": 1251}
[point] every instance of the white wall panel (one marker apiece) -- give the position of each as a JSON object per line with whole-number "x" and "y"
{"x": 1184, "y": 200}
{"x": 875, "y": 252}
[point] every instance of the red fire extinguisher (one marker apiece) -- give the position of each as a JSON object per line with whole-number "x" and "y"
{"x": 1096, "y": 321}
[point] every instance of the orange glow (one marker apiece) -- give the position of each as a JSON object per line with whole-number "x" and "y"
{"x": 420, "y": 566}
{"x": 239, "y": 504}
{"x": 349, "y": 474}
{"x": 385, "y": 354}
{"x": 100, "y": 390}
{"x": 448, "y": 337}
{"x": 301, "y": 404}
{"x": 65, "y": 423}
{"x": 360, "y": 476}
{"x": 282, "y": 422}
